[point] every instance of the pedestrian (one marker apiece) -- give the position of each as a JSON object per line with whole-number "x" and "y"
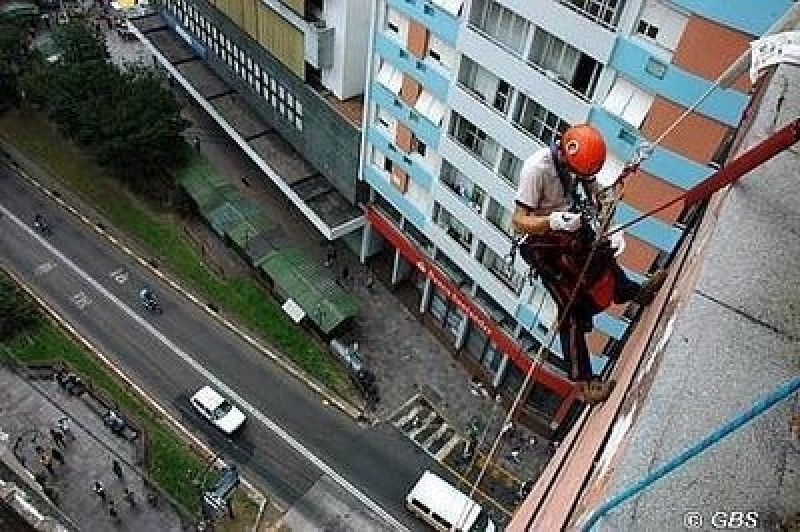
{"x": 63, "y": 425}
{"x": 112, "y": 509}
{"x": 152, "y": 500}
{"x": 330, "y": 256}
{"x": 47, "y": 462}
{"x": 56, "y": 454}
{"x": 345, "y": 274}
{"x": 129, "y": 497}
{"x": 58, "y": 437}
{"x": 117, "y": 469}
{"x": 99, "y": 489}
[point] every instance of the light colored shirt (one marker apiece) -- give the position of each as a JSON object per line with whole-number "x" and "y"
{"x": 540, "y": 188}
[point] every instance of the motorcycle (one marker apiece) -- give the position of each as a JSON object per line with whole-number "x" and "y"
{"x": 41, "y": 225}
{"x": 150, "y": 302}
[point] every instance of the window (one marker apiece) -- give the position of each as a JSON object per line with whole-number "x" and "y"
{"x": 475, "y": 140}
{"x": 628, "y": 102}
{"x": 541, "y": 123}
{"x": 647, "y": 29}
{"x": 452, "y": 226}
{"x": 499, "y": 216}
{"x": 605, "y": 12}
{"x": 500, "y": 23}
{"x": 510, "y": 166}
{"x": 428, "y": 106}
{"x": 390, "y": 77}
{"x": 565, "y": 63}
{"x": 498, "y": 267}
{"x": 485, "y": 85}
{"x": 388, "y": 165}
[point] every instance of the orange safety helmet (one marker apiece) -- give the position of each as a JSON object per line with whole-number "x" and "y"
{"x": 583, "y": 149}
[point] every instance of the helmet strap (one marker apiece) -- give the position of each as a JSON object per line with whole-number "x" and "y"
{"x": 564, "y": 175}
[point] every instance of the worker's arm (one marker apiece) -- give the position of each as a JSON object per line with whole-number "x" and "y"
{"x": 526, "y": 221}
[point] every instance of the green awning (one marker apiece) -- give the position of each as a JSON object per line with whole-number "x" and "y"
{"x": 311, "y": 286}
{"x": 15, "y": 10}
{"x": 204, "y": 185}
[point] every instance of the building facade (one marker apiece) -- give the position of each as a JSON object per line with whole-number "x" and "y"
{"x": 459, "y": 93}
{"x": 299, "y": 66}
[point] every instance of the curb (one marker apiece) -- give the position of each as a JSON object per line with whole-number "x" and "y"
{"x": 184, "y": 433}
{"x": 13, "y": 155}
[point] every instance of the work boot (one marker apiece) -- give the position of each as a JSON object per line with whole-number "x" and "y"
{"x": 597, "y": 391}
{"x": 650, "y": 288}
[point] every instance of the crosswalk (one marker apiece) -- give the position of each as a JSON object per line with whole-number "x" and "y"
{"x": 428, "y": 429}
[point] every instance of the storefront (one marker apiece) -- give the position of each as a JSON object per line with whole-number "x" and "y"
{"x": 484, "y": 344}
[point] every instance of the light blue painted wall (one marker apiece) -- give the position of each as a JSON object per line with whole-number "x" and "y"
{"x": 421, "y": 126}
{"x": 677, "y": 85}
{"x": 382, "y": 186}
{"x": 749, "y": 16}
{"x": 664, "y": 164}
{"x": 431, "y": 78}
{"x": 439, "y": 21}
{"x": 415, "y": 170}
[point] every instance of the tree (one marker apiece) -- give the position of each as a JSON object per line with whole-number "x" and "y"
{"x": 15, "y": 59}
{"x": 125, "y": 118}
{"x": 80, "y": 44}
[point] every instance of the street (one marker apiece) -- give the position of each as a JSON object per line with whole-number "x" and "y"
{"x": 294, "y": 447}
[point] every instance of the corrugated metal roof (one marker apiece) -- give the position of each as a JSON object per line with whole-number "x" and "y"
{"x": 301, "y": 278}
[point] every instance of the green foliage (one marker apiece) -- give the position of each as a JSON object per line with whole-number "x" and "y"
{"x": 15, "y": 59}
{"x": 124, "y": 118}
{"x": 79, "y": 44}
{"x": 17, "y": 312}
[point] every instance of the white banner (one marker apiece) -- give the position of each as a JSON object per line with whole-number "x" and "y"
{"x": 779, "y": 48}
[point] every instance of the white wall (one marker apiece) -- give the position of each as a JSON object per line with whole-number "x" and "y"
{"x": 351, "y": 22}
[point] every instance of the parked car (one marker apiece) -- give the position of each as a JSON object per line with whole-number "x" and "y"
{"x": 217, "y": 410}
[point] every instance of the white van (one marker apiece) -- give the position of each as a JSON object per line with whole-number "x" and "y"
{"x": 445, "y": 508}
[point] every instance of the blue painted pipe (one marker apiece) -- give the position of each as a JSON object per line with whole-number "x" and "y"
{"x": 759, "y": 407}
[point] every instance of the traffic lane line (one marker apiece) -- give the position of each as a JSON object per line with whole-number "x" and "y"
{"x": 221, "y": 386}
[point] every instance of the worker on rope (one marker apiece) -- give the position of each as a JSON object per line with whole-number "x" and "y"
{"x": 559, "y": 243}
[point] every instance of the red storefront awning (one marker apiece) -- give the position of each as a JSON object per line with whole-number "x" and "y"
{"x": 505, "y": 343}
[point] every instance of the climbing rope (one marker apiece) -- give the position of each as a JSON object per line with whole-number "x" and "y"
{"x": 757, "y": 408}
{"x": 643, "y": 151}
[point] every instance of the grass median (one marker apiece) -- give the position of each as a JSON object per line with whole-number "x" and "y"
{"x": 170, "y": 461}
{"x": 159, "y": 232}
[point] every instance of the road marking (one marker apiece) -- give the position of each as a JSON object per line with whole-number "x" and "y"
{"x": 120, "y": 275}
{"x": 44, "y": 268}
{"x": 221, "y": 386}
{"x": 81, "y": 300}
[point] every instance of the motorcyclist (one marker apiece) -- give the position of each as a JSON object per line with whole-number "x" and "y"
{"x": 39, "y": 223}
{"x": 147, "y": 296}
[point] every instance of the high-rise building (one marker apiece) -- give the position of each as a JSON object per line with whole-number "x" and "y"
{"x": 285, "y": 80}
{"x": 459, "y": 93}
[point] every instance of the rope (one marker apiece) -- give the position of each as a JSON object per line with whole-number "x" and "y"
{"x": 757, "y": 408}
{"x": 643, "y": 151}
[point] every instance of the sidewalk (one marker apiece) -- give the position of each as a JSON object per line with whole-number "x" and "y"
{"x": 30, "y": 409}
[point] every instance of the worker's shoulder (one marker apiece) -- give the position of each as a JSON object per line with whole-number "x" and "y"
{"x": 538, "y": 163}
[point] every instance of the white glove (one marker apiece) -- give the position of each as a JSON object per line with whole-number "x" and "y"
{"x": 565, "y": 221}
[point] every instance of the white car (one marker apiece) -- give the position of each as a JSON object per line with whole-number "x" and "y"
{"x": 217, "y": 410}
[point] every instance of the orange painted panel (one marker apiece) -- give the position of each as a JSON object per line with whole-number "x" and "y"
{"x": 696, "y": 137}
{"x": 399, "y": 179}
{"x": 417, "y": 38}
{"x": 706, "y": 49}
{"x": 409, "y": 90}
{"x": 403, "y": 138}
{"x": 638, "y": 255}
{"x": 645, "y": 192}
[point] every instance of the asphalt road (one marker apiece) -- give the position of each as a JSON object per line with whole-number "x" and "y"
{"x": 293, "y": 445}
